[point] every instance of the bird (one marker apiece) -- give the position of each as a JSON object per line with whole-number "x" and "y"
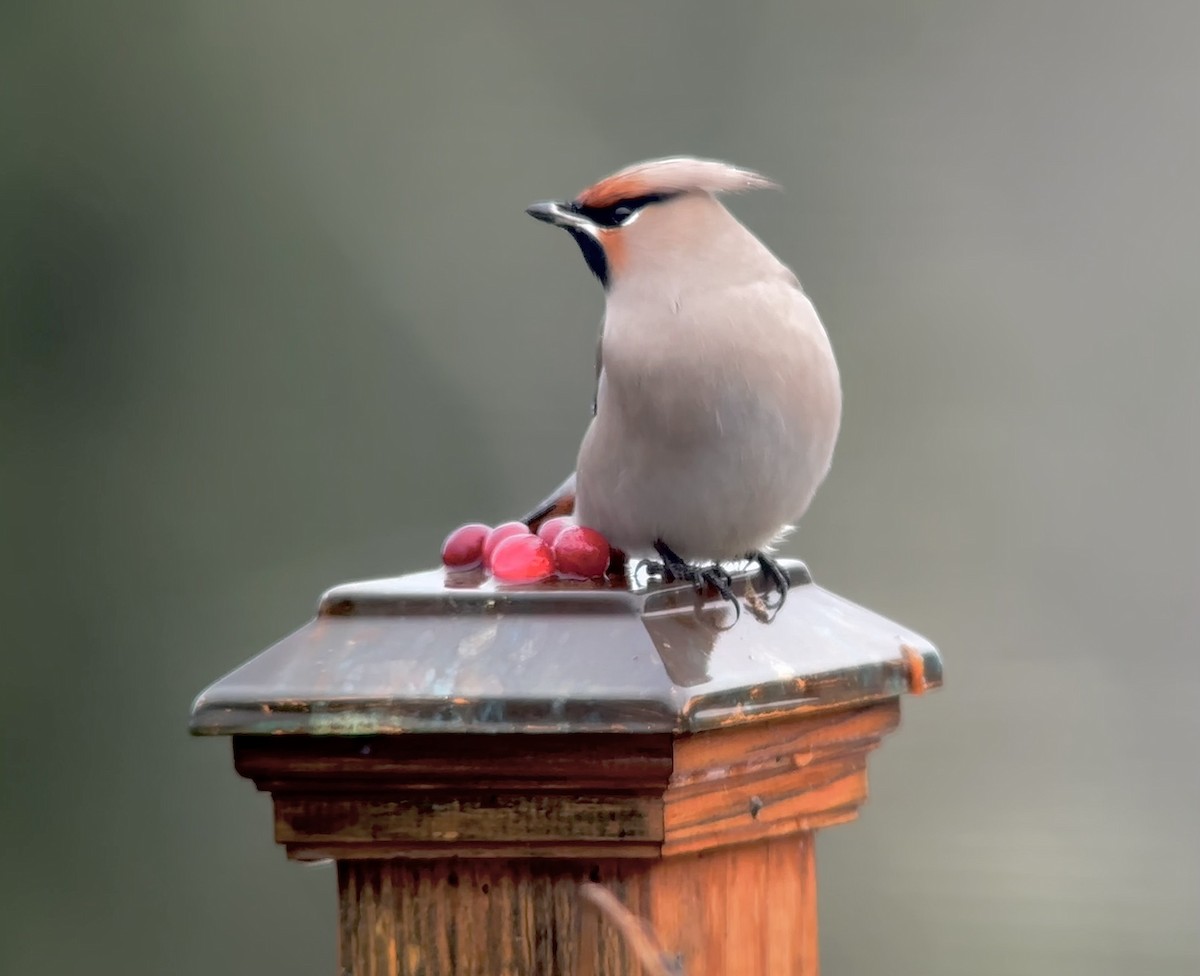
{"x": 718, "y": 398}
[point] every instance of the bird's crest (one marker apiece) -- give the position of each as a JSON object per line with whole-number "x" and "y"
{"x": 678, "y": 174}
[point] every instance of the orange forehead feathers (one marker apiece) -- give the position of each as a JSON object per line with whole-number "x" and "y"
{"x": 680, "y": 174}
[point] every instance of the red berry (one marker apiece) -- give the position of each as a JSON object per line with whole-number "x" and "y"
{"x": 581, "y": 552}
{"x": 463, "y": 548}
{"x": 522, "y": 559}
{"x": 498, "y": 535}
{"x": 552, "y": 527}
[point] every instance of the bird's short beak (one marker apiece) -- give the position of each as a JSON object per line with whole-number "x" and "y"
{"x": 559, "y": 215}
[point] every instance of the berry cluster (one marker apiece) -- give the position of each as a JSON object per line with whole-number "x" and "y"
{"x": 513, "y": 554}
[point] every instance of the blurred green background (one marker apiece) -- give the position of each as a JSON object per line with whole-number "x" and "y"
{"x": 271, "y": 318}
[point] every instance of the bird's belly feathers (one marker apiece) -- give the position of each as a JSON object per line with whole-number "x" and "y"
{"x": 714, "y": 454}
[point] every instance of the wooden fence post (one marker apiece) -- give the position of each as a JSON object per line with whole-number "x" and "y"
{"x": 471, "y": 754}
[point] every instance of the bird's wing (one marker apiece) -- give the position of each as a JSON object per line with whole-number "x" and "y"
{"x": 561, "y": 501}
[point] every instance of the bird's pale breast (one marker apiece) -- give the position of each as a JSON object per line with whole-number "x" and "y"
{"x": 716, "y": 419}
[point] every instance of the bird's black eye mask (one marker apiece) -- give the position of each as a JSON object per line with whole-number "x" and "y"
{"x": 613, "y": 215}
{"x": 617, "y": 213}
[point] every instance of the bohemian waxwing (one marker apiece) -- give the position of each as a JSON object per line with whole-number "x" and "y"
{"x": 718, "y": 399}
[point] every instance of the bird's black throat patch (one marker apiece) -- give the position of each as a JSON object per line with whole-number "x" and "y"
{"x": 593, "y": 254}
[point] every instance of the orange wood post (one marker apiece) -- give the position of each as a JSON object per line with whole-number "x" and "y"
{"x": 470, "y": 756}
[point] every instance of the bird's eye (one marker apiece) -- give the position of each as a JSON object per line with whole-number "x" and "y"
{"x": 618, "y": 213}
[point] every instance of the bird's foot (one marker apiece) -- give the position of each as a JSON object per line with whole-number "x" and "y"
{"x": 774, "y": 573}
{"x": 701, "y": 577}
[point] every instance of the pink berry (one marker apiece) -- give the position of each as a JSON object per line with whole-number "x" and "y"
{"x": 522, "y": 559}
{"x": 498, "y": 535}
{"x": 581, "y": 552}
{"x": 552, "y": 527}
{"x": 463, "y": 548}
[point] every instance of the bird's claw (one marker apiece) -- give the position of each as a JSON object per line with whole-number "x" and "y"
{"x": 701, "y": 577}
{"x": 774, "y": 573}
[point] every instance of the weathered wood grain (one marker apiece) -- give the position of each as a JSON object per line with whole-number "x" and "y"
{"x": 470, "y": 818}
{"x": 462, "y": 855}
{"x": 403, "y": 762}
{"x": 745, "y": 910}
{"x": 770, "y": 779}
{"x": 750, "y": 909}
{"x": 474, "y": 918}
{"x": 431, "y": 796}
